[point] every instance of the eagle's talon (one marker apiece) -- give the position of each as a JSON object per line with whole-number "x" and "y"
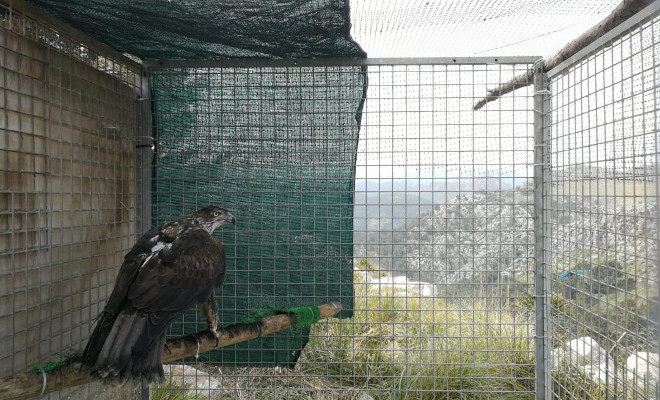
{"x": 216, "y": 335}
{"x": 198, "y": 346}
{"x": 210, "y": 310}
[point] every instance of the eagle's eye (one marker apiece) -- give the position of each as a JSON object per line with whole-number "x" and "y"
{"x": 216, "y": 213}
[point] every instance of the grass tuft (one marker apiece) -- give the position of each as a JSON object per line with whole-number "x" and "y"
{"x": 175, "y": 391}
{"x": 424, "y": 348}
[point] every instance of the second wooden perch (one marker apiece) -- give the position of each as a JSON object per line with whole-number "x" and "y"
{"x": 625, "y": 10}
{"x": 30, "y": 384}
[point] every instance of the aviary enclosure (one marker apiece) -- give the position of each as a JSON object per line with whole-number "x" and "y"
{"x": 506, "y": 252}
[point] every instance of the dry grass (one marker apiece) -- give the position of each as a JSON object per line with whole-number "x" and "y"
{"x": 398, "y": 347}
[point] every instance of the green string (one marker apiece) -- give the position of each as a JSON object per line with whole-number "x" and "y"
{"x": 305, "y": 316}
{"x": 49, "y": 366}
{"x": 67, "y": 360}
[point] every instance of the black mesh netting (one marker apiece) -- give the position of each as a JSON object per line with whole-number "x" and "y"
{"x": 202, "y": 29}
{"x": 277, "y": 146}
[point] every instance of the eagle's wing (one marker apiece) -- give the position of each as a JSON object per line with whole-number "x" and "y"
{"x": 162, "y": 276}
{"x": 127, "y": 273}
{"x": 174, "y": 279}
{"x": 179, "y": 275}
{"x": 129, "y": 268}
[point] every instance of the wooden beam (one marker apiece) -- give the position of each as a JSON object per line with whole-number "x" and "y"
{"x": 625, "y": 10}
{"x": 29, "y": 384}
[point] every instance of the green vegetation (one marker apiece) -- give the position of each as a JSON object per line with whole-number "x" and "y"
{"x": 472, "y": 342}
{"x": 398, "y": 347}
{"x": 424, "y": 348}
{"x": 576, "y": 386}
{"x": 607, "y": 300}
{"x": 174, "y": 391}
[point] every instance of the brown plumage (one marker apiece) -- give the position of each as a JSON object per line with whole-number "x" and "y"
{"x": 169, "y": 269}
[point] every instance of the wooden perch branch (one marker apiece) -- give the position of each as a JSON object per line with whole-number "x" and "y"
{"x": 625, "y": 10}
{"x": 519, "y": 81}
{"x": 29, "y": 384}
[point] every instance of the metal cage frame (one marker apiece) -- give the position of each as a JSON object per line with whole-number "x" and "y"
{"x": 542, "y": 151}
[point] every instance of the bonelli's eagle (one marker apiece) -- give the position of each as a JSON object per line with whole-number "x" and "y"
{"x": 168, "y": 271}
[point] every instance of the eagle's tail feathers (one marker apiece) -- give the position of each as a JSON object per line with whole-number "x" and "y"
{"x": 125, "y": 374}
{"x": 149, "y": 366}
{"x": 98, "y": 337}
{"x": 116, "y": 353}
{"x": 118, "y": 361}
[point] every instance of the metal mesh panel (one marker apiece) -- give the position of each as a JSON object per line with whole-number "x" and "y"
{"x": 602, "y": 219}
{"x": 67, "y": 188}
{"x": 412, "y": 210}
{"x": 276, "y": 146}
{"x": 442, "y": 223}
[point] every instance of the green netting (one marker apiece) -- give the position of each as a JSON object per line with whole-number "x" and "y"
{"x": 276, "y": 146}
{"x": 200, "y": 29}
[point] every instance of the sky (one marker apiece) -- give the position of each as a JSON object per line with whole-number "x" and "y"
{"x": 454, "y": 28}
{"x": 418, "y": 121}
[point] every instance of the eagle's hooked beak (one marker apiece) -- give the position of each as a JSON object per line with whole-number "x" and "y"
{"x": 228, "y": 217}
{"x": 223, "y": 217}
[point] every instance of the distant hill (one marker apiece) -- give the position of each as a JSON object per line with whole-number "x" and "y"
{"x": 472, "y": 234}
{"x": 485, "y": 236}
{"x": 385, "y": 209}
{"x": 391, "y": 203}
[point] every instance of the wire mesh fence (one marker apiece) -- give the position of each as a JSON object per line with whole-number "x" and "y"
{"x": 400, "y": 202}
{"x": 67, "y": 190}
{"x": 602, "y": 219}
{"x": 276, "y": 147}
{"x": 369, "y": 184}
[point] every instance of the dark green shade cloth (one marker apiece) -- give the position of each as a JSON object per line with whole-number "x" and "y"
{"x": 277, "y": 147}
{"x": 208, "y": 29}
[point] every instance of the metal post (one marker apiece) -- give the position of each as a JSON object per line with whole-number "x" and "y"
{"x": 144, "y": 153}
{"x": 540, "y": 289}
{"x": 656, "y": 178}
{"x": 144, "y": 145}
